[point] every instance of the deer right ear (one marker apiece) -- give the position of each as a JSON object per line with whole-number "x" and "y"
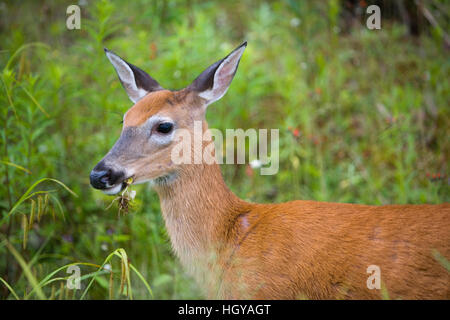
{"x": 137, "y": 82}
{"x": 213, "y": 83}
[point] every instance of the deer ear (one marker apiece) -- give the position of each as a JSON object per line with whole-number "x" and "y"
{"x": 137, "y": 83}
{"x": 213, "y": 83}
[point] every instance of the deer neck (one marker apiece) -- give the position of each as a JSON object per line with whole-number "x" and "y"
{"x": 198, "y": 208}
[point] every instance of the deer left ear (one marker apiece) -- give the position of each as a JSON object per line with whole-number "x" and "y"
{"x": 213, "y": 83}
{"x": 137, "y": 82}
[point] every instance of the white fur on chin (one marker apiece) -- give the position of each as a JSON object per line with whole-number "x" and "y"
{"x": 114, "y": 190}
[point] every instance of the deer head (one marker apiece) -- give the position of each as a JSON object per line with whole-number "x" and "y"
{"x": 143, "y": 150}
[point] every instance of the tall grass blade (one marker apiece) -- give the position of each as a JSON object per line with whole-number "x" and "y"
{"x": 26, "y": 271}
{"x": 26, "y": 195}
{"x": 9, "y": 288}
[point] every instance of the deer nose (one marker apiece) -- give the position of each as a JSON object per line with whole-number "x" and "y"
{"x": 103, "y": 178}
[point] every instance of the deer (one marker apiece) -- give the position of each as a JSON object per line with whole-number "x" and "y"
{"x": 235, "y": 249}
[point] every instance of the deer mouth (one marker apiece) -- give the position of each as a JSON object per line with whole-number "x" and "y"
{"x": 117, "y": 187}
{"x": 114, "y": 189}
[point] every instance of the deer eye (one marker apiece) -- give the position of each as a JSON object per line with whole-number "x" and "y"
{"x": 164, "y": 127}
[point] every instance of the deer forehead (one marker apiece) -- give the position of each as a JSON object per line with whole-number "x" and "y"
{"x": 150, "y": 105}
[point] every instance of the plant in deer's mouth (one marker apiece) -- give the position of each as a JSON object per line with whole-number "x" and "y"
{"x": 124, "y": 200}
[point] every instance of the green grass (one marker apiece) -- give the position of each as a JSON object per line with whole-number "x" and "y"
{"x": 370, "y": 107}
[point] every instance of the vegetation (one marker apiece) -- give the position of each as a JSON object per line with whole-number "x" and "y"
{"x": 363, "y": 118}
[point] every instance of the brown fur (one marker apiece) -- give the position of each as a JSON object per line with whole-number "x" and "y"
{"x": 293, "y": 250}
{"x": 147, "y": 106}
{"x": 303, "y": 249}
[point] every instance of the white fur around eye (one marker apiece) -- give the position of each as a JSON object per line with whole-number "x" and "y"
{"x": 160, "y": 138}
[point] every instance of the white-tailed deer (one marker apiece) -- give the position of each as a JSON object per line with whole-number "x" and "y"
{"x": 236, "y": 249}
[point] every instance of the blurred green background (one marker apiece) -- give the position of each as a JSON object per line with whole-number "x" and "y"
{"x": 363, "y": 118}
